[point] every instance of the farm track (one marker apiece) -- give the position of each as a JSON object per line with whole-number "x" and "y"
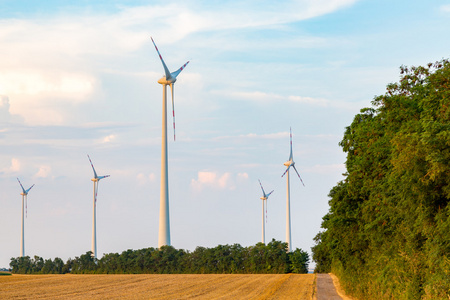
{"x": 145, "y": 286}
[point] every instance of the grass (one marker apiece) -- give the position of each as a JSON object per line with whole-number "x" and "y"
{"x": 4, "y": 273}
{"x": 145, "y": 286}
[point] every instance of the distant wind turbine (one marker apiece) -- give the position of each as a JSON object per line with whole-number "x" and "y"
{"x": 24, "y": 199}
{"x": 164, "y": 222}
{"x": 264, "y": 199}
{"x": 290, "y": 163}
{"x": 96, "y": 179}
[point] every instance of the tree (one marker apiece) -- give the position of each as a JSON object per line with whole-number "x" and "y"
{"x": 386, "y": 234}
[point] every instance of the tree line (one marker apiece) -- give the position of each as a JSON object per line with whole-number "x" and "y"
{"x": 387, "y": 233}
{"x": 272, "y": 258}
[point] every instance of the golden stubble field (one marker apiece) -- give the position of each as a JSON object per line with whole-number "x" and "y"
{"x": 145, "y": 286}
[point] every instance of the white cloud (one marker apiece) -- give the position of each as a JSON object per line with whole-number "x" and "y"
{"x": 15, "y": 165}
{"x": 109, "y": 138}
{"x": 60, "y": 58}
{"x": 445, "y": 8}
{"x": 34, "y": 82}
{"x": 257, "y": 96}
{"x": 44, "y": 172}
{"x": 214, "y": 180}
{"x": 5, "y": 114}
{"x": 242, "y": 177}
{"x": 310, "y": 100}
{"x": 13, "y": 168}
{"x": 268, "y": 136}
{"x": 143, "y": 179}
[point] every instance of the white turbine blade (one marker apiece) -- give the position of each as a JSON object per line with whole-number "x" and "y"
{"x": 21, "y": 186}
{"x": 298, "y": 175}
{"x": 286, "y": 171}
{"x": 166, "y": 70}
{"x": 290, "y": 131}
{"x": 101, "y": 177}
{"x": 262, "y": 188}
{"x": 26, "y": 207}
{"x": 172, "y": 87}
{"x": 95, "y": 173}
{"x": 269, "y": 194}
{"x": 29, "y": 189}
{"x": 175, "y": 74}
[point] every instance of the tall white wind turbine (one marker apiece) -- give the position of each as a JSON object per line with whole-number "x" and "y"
{"x": 96, "y": 179}
{"x": 264, "y": 199}
{"x": 24, "y": 200}
{"x": 290, "y": 163}
{"x": 164, "y": 222}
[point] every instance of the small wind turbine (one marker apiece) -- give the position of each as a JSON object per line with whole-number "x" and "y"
{"x": 24, "y": 199}
{"x": 164, "y": 223}
{"x": 96, "y": 179}
{"x": 290, "y": 163}
{"x": 264, "y": 198}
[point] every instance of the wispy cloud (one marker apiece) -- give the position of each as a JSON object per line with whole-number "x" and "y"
{"x": 143, "y": 179}
{"x": 445, "y": 8}
{"x": 59, "y": 58}
{"x": 215, "y": 180}
{"x": 44, "y": 172}
{"x": 13, "y": 168}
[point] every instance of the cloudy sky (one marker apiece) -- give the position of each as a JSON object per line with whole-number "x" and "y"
{"x": 80, "y": 77}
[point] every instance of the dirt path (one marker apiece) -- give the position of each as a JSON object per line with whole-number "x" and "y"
{"x": 325, "y": 288}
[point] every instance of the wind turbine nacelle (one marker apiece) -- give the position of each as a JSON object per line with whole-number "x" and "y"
{"x": 263, "y": 198}
{"x": 288, "y": 163}
{"x": 163, "y": 80}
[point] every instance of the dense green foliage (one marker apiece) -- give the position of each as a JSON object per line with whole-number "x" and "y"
{"x": 387, "y": 234}
{"x": 272, "y": 258}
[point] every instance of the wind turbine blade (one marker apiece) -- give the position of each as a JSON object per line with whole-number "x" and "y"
{"x": 21, "y": 186}
{"x": 172, "y": 87}
{"x": 269, "y": 194}
{"x": 166, "y": 70}
{"x": 290, "y": 131}
{"x": 175, "y": 74}
{"x": 101, "y": 177}
{"x": 285, "y": 171}
{"x": 298, "y": 175}
{"x": 29, "y": 189}
{"x": 26, "y": 207}
{"x": 262, "y": 188}
{"x": 95, "y": 173}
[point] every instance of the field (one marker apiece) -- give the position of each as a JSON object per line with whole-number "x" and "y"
{"x": 144, "y": 286}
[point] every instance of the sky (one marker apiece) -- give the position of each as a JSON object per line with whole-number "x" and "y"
{"x": 80, "y": 77}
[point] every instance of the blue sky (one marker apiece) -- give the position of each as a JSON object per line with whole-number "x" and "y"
{"x": 80, "y": 77}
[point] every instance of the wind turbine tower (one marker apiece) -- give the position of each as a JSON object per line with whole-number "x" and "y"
{"x": 264, "y": 199}
{"x": 96, "y": 179}
{"x": 24, "y": 200}
{"x": 290, "y": 163}
{"x": 164, "y": 222}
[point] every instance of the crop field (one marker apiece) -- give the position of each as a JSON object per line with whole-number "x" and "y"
{"x": 144, "y": 286}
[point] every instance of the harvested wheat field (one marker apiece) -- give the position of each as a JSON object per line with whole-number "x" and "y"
{"x": 144, "y": 286}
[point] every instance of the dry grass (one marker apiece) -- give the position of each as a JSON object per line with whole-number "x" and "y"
{"x": 143, "y": 286}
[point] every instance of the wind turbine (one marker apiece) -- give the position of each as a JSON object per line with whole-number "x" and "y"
{"x": 290, "y": 163}
{"x": 24, "y": 199}
{"x": 164, "y": 223}
{"x": 264, "y": 198}
{"x": 96, "y": 179}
